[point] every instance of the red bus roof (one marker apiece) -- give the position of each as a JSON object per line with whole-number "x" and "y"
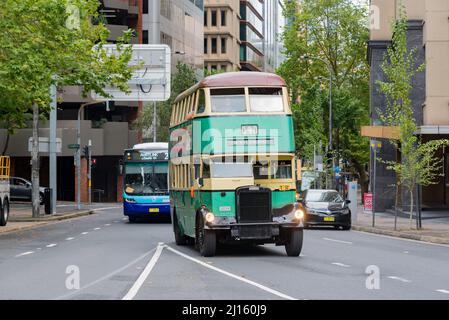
{"x": 237, "y": 79}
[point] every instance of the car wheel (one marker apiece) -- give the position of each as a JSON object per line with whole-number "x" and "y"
{"x": 206, "y": 239}
{"x": 348, "y": 227}
{"x": 4, "y": 213}
{"x": 294, "y": 246}
{"x": 132, "y": 219}
{"x": 180, "y": 238}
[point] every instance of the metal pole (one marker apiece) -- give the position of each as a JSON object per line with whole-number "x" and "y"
{"x": 35, "y": 163}
{"x": 374, "y": 187}
{"x": 78, "y": 158}
{"x": 154, "y": 122}
{"x": 155, "y": 22}
{"x": 89, "y": 176}
{"x": 52, "y": 149}
{"x": 330, "y": 125}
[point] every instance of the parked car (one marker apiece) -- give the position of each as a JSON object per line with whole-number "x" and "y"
{"x": 20, "y": 189}
{"x": 326, "y": 208}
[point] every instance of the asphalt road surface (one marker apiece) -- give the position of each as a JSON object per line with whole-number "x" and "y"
{"x": 103, "y": 256}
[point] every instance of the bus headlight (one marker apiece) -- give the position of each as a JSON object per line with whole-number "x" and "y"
{"x": 299, "y": 214}
{"x": 210, "y": 217}
{"x": 130, "y": 200}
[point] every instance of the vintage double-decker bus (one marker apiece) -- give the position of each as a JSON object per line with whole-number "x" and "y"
{"x": 232, "y": 163}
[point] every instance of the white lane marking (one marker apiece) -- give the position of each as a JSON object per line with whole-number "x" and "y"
{"x": 51, "y": 245}
{"x": 145, "y": 273}
{"x": 339, "y": 241}
{"x": 341, "y": 264}
{"x": 97, "y": 228}
{"x": 442, "y": 291}
{"x": 107, "y": 224}
{"x": 109, "y": 275}
{"x": 405, "y": 251}
{"x": 115, "y": 221}
{"x": 69, "y": 238}
{"x": 105, "y": 208}
{"x": 24, "y": 254}
{"x": 402, "y": 239}
{"x": 240, "y": 278}
{"x": 399, "y": 279}
{"x": 83, "y": 233}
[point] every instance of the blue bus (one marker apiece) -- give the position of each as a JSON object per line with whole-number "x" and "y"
{"x": 145, "y": 181}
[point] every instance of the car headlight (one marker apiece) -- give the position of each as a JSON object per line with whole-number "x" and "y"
{"x": 299, "y": 214}
{"x": 209, "y": 217}
{"x": 130, "y": 200}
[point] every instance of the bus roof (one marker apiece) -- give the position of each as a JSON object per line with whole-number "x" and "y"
{"x": 151, "y": 146}
{"x": 237, "y": 79}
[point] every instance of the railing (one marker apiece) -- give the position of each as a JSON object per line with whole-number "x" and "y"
{"x": 4, "y": 167}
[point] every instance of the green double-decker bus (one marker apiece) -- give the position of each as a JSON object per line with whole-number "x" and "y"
{"x": 232, "y": 164}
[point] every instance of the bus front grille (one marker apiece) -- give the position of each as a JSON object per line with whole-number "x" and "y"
{"x": 253, "y": 204}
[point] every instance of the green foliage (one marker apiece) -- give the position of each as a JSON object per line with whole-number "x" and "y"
{"x": 332, "y": 32}
{"x": 45, "y": 43}
{"x": 183, "y": 79}
{"x": 420, "y": 163}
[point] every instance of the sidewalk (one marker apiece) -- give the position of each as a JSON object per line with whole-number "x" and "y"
{"x": 21, "y": 219}
{"x": 432, "y": 231}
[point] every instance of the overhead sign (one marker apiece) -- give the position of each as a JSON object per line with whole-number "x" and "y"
{"x": 73, "y": 146}
{"x": 44, "y": 144}
{"x": 151, "y": 81}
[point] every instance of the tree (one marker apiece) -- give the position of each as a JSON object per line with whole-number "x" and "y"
{"x": 331, "y": 32}
{"x": 419, "y": 164}
{"x": 51, "y": 42}
{"x": 183, "y": 78}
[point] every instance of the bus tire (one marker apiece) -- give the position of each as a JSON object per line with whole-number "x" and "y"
{"x": 180, "y": 238}
{"x": 206, "y": 239}
{"x": 4, "y": 214}
{"x": 294, "y": 245}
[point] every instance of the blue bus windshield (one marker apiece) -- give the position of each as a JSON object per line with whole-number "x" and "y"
{"x": 146, "y": 178}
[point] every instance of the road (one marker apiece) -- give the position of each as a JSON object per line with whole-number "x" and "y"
{"x": 116, "y": 260}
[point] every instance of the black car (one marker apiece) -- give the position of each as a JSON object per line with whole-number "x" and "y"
{"x": 326, "y": 208}
{"x": 20, "y": 189}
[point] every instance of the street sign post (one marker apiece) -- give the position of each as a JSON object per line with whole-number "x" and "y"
{"x": 375, "y": 146}
{"x": 73, "y": 146}
{"x": 44, "y": 144}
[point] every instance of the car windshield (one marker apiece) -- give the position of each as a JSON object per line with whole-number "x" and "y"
{"x": 323, "y": 196}
{"x": 146, "y": 178}
{"x": 231, "y": 169}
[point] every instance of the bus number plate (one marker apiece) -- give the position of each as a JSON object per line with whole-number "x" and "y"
{"x": 153, "y": 210}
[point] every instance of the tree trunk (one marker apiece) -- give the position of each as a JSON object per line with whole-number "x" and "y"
{"x": 411, "y": 207}
{"x": 35, "y": 163}
{"x": 6, "y": 144}
{"x": 363, "y": 177}
{"x": 396, "y": 205}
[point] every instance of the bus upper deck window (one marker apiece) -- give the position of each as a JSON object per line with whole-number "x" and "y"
{"x": 201, "y": 102}
{"x": 266, "y": 100}
{"x": 228, "y": 100}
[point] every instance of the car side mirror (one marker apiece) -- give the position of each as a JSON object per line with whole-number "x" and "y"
{"x": 348, "y": 201}
{"x": 29, "y": 185}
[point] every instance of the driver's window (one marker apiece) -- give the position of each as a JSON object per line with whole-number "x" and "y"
{"x": 20, "y": 183}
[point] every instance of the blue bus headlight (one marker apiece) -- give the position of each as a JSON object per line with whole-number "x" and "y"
{"x": 130, "y": 200}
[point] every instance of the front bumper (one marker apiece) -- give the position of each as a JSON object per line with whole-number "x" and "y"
{"x": 326, "y": 220}
{"x": 145, "y": 209}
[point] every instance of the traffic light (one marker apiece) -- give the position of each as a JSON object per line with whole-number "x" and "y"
{"x": 94, "y": 162}
{"x": 86, "y": 152}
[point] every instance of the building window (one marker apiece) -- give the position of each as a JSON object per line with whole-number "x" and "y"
{"x": 213, "y": 17}
{"x": 214, "y": 45}
{"x": 145, "y": 6}
{"x": 223, "y": 45}
{"x": 223, "y": 17}
{"x": 205, "y": 45}
{"x": 145, "y": 36}
{"x": 205, "y": 17}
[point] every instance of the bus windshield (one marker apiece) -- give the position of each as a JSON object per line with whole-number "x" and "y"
{"x": 228, "y": 100}
{"x": 231, "y": 169}
{"x": 266, "y": 100}
{"x": 146, "y": 178}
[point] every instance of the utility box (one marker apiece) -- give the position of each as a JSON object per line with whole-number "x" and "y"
{"x": 352, "y": 196}
{"x": 48, "y": 200}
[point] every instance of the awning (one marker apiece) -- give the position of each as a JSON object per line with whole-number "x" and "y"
{"x": 381, "y": 132}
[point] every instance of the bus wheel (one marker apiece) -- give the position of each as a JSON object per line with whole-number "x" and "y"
{"x": 180, "y": 238}
{"x": 206, "y": 239}
{"x": 4, "y": 213}
{"x": 294, "y": 245}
